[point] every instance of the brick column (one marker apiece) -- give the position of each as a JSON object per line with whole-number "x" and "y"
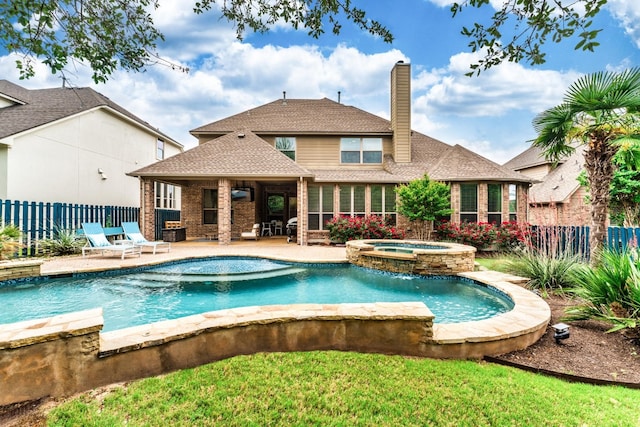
{"x": 483, "y": 202}
{"x": 224, "y": 211}
{"x": 455, "y": 202}
{"x": 147, "y": 218}
{"x": 522, "y": 202}
{"x": 302, "y": 211}
{"x": 505, "y": 202}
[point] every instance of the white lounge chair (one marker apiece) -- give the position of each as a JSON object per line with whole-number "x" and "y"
{"x": 133, "y": 234}
{"x": 254, "y": 234}
{"x": 97, "y": 242}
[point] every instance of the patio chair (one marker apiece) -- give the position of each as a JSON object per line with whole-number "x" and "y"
{"x": 133, "y": 234}
{"x": 97, "y": 242}
{"x": 254, "y": 234}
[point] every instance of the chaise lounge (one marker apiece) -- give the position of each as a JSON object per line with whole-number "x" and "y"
{"x": 132, "y": 233}
{"x": 97, "y": 242}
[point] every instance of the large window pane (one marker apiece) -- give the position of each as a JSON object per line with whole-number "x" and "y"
{"x": 287, "y": 145}
{"x": 495, "y": 197}
{"x": 345, "y": 199}
{"x": 376, "y": 199}
{"x": 358, "y": 199}
{"x": 327, "y": 198}
{"x": 389, "y": 198}
{"x": 468, "y": 198}
{"x": 350, "y": 157}
{"x": 209, "y": 206}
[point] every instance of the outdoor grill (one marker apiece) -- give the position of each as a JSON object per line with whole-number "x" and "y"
{"x": 292, "y": 230}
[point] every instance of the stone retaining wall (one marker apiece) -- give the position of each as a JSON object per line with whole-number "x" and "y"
{"x": 10, "y": 270}
{"x": 67, "y": 354}
{"x": 454, "y": 259}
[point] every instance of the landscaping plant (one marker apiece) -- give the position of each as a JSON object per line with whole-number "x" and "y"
{"x": 9, "y": 240}
{"x": 345, "y": 228}
{"x": 545, "y": 272}
{"x": 422, "y": 201}
{"x": 610, "y": 290}
{"x": 507, "y": 236}
{"x": 64, "y": 242}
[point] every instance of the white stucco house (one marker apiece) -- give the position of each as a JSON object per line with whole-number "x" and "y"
{"x": 74, "y": 145}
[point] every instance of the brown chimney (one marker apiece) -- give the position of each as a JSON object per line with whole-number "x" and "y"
{"x": 401, "y": 111}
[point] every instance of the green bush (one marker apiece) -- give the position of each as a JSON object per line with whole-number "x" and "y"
{"x": 65, "y": 242}
{"x": 344, "y": 228}
{"x": 545, "y": 272}
{"x": 9, "y": 240}
{"x": 610, "y": 290}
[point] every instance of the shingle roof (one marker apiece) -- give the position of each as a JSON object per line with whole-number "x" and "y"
{"x": 561, "y": 182}
{"x": 301, "y": 116}
{"x": 532, "y": 156}
{"x": 237, "y": 154}
{"x": 43, "y": 106}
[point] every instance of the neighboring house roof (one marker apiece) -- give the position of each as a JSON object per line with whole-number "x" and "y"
{"x": 532, "y": 156}
{"x": 237, "y": 154}
{"x": 37, "y": 107}
{"x": 561, "y": 182}
{"x": 301, "y": 116}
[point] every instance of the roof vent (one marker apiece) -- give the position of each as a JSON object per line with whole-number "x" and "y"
{"x": 241, "y": 135}
{"x": 339, "y": 97}
{"x": 284, "y": 97}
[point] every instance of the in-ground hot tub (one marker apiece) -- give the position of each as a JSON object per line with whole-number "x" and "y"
{"x": 412, "y": 256}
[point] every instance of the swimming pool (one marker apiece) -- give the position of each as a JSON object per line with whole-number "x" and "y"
{"x": 179, "y": 289}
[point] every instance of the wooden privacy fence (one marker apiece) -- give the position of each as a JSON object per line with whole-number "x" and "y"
{"x": 555, "y": 239}
{"x": 38, "y": 220}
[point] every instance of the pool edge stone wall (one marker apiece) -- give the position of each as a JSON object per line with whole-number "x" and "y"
{"x": 67, "y": 354}
{"x": 19, "y": 269}
{"x": 453, "y": 259}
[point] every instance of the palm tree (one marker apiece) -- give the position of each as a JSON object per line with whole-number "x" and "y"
{"x": 602, "y": 112}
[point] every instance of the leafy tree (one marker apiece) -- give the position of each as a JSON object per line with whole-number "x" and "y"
{"x": 602, "y": 112}
{"x": 422, "y": 201}
{"x": 112, "y": 34}
{"x": 531, "y": 23}
{"x": 625, "y": 195}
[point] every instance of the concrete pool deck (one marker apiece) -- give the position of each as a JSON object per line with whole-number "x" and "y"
{"x": 69, "y": 353}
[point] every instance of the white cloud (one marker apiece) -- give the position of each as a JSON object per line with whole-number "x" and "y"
{"x": 628, "y": 13}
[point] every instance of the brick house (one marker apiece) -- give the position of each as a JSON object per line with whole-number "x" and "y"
{"x": 557, "y": 198}
{"x": 314, "y": 159}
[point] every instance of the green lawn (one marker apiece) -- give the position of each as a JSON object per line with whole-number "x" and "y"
{"x": 495, "y": 263}
{"x": 351, "y": 389}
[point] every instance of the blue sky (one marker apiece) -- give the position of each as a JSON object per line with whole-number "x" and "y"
{"x": 490, "y": 114}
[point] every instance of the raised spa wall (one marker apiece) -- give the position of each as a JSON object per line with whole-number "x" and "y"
{"x": 454, "y": 258}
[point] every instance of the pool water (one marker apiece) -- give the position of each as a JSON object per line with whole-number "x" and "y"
{"x": 180, "y": 289}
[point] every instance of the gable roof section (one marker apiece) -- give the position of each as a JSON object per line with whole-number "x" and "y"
{"x": 234, "y": 155}
{"x": 12, "y": 92}
{"x": 561, "y": 182}
{"x": 301, "y": 116}
{"x": 43, "y": 106}
{"x": 460, "y": 164}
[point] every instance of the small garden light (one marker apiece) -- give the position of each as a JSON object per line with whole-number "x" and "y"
{"x": 561, "y": 332}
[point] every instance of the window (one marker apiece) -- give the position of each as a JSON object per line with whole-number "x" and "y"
{"x": 287, "y": 145}
{"x": 352, "y": 202}
{"x": 165, "y": 196}
{"x": 361, "y": 150}
{"x": 383, "y": 201}
{"x": 494, "y": 206}
{"x": 160, "y": 149}
{"x": 320, "y": 206}
{"x": 513, "y": 203}
{"x": 209, "y": 206}
{"x": 469, "y": 202}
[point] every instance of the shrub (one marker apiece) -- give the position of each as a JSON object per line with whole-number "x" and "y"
{"x": 344, "y": 228}
{"x": 545, "y": 272}
{"x": 9, "y": 240}
{"x": 506, "y": 236}
{"x": 610, "y": 290}
{"x": 65, "y": 242}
